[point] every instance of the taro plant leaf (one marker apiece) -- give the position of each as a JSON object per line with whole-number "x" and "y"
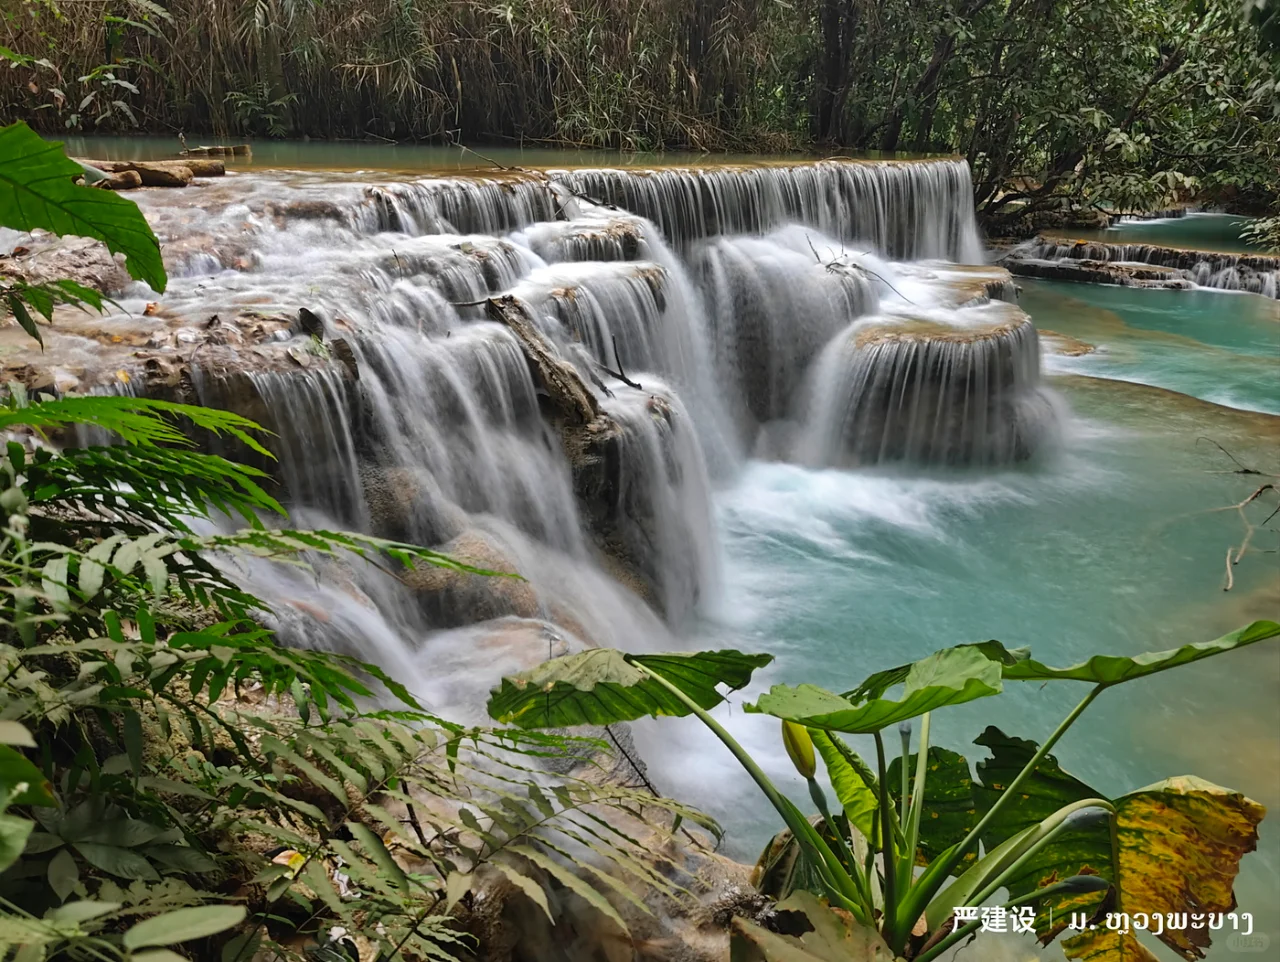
{"x": 1114, "y": 669}
{"x": 833, "y": 937}
{"x": 852, "y": 781}
{"x": 182, "y": 925}
{"x": 949, "y": 811}
{"x": 948, "y": 677}
{"x": 1085, "y": 850}
{"x": 1181, "y": 841}
{"x": 876, "y": 685}
{"x": 37, "y": 193}
{"x": 784, "y": 868}
{"x": 603, "y": 686}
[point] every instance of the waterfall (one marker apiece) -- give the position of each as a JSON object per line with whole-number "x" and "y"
{"x": 905, "y": 210}
{"x": 911, "y": 388}
{"x": 659, "y": 328}
{"x": 1252, "y": 273}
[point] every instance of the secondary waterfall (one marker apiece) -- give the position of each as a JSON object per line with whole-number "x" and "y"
{"x": 668, "y": 325}
{"x": 1168, "y": 266}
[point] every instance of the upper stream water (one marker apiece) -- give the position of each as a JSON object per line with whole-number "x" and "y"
{"x": 849, "y": 453}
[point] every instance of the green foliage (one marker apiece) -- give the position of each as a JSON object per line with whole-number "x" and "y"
{"x": 1051, "y": 841}
{"x": 37, "y": 191}
{"x": 948, "y": 677}
{"x": 1265, "y": 232}
{"x": 159, "y": 746}
{"x": 1111, "y": 103}
{"x": 602, "y": 686}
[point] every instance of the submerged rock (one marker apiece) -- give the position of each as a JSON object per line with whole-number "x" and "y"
{"x": 449, "y": 598}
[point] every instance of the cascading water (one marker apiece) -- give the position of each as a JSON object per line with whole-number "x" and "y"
{"x": 677, "y": 321}
{"x": 1252, "y": 273}
{"x": 910, "y": 388}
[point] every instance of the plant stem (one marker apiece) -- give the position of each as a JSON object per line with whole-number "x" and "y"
{"x": 912, "y": 826}
{"x": 843, "y": 887}
{"x": 1027, "y": 770}
{"x": 842, "y": 849}
{"x": 889, "y": 869}
{"x": 994, "y": 885}
{"x": 970, "y": 927}
{"x": 940, "y": 870}
{"x": 906, "y": 783}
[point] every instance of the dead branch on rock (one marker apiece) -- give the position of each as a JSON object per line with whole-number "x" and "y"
{"x": 620, "y": 374}
{"x": 1236, "y": 553}
{"x": 1240, "y": 468}
{"x": 543, "y": 176}
{"x": 1250, "y": 529}
{"x": 838, "y": 266}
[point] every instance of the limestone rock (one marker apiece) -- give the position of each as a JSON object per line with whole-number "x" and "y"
{"x": 450, "y": 598}
{"x": 405, "y": 504}
{"x": 122, "y": 180}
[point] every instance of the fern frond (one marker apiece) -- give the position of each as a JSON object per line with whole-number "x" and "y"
{"x": 136, "y": 420}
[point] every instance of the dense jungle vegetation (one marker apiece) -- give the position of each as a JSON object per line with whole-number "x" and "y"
{"x": 1122, "y": 103}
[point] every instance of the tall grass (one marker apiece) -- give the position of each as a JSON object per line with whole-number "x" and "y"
{"x": 634, "y": 74}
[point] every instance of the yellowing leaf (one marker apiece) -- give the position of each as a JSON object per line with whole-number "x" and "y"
{"x": 1181, "y": 841}
{"x": 836, "y": 937}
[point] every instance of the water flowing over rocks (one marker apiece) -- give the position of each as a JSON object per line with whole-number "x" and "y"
{"x": 547, "y": 374}
{"x": 1144, "y": 265}
{"x": 578, "y": 356}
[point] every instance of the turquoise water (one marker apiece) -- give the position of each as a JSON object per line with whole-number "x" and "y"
{"x": 1219, "y": 232}
{"x": 1107, "y": 545}
{"x": 1220, "y": 347}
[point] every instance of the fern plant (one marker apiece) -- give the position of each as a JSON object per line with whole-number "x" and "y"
{"x": 138, "y": 785}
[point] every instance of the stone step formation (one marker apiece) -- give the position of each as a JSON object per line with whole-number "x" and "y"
{"x": 548, "y": 372}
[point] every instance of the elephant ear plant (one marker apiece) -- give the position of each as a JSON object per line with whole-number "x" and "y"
{"x": 918, "y": 837}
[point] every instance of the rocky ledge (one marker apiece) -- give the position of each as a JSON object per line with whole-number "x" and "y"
{"x": 1143, "y": 265}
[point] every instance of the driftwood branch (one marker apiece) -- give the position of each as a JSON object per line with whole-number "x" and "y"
{"x": 835, "y": 267}
{"x": 620, "y": 374}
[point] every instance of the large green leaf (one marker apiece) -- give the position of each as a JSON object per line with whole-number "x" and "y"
{"x": 183, "y": 925}
{"x": 603, "y": 686}
{"x": 833, "y": 937}
{"x": 949, "y": 811}
{"x": 948, "y": 677}
{"x": 37, "y": 193}
{"x": 852, "y": 781}
{"x": 876, "y": 685}
{"x": 1114, "y": 669}
{"x": 1085, "y": 850}
{"x": 1181, "y": 841}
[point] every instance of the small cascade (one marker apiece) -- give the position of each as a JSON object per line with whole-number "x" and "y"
{"x": 1169, "y": 266}
{"x": 773, "y": 305}
{"x": 473, "y": 205}
{"x": 313, "y": 415}
{"x": 664, "y": 498}
{"x": 905, "y": 210}
{"x": 960, "y": 388}
{"x": 456, "y": 418}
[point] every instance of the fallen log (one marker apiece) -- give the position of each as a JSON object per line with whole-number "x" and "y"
{"x": 234, "y": 150}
